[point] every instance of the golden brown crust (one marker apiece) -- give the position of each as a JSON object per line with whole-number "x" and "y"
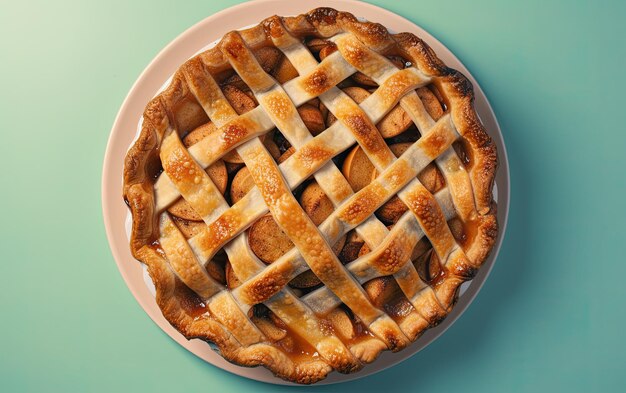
{"x": 175, "y": 110}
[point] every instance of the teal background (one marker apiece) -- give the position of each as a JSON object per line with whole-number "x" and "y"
{"x": 550, "y": 317}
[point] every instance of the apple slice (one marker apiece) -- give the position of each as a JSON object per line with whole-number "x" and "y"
{"x": 312, "y": 118}
{"x": 284, "y": 71}
{"x": 358, "y": 169}
{"x": 342, "y": 323}
{"x": 267, "y": 240}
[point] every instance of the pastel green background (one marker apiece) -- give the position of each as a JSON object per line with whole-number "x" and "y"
{"x": 550, "y": 317}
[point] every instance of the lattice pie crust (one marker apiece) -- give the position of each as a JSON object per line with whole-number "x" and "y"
{"x": 345, "y": 200}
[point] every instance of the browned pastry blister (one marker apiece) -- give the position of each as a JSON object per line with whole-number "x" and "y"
{"x": 348, "y": 201}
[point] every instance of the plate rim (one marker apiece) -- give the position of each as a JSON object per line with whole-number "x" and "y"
{"x": 111, "y": 185}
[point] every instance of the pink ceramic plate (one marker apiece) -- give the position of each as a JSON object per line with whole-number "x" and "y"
{"x": 159, "y": 71}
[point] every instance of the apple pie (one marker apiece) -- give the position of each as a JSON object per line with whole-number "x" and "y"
{"x": 311, "y": 191}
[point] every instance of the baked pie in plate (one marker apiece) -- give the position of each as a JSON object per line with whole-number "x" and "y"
{"x": 310, "y": 192}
